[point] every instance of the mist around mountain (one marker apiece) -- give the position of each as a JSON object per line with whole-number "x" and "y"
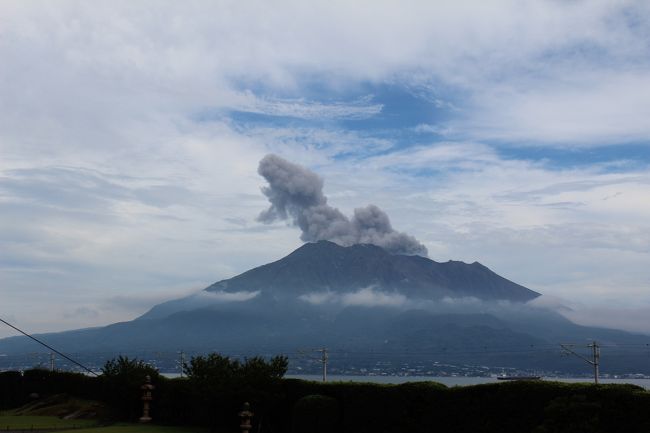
{"x": 366, "y": 304}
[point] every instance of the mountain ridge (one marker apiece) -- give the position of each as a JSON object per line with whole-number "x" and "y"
{"x": 326, "y": 267}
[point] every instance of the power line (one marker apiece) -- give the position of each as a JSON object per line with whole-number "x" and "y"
{"x": 49, "y": 347}
{"x": 444, "y": 351}
{"x": 594, "y": 361}
{"x": 323, "y": 358}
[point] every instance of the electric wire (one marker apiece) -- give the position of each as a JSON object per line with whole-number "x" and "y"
{"x": 48, "y": 346}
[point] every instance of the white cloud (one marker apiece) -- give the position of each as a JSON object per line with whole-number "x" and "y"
{"x": 369, "y": 297}
{"x": 319, "y": 298}
{"x": 628, "y": 319}
{"x": 366, "y": 297}
{"x": 222, "y": 296}
{"x": 359, "y": 109}
{"x": 615, "y": 314}
{"x": 560, "y": 73}
{"x": 585, "y": 110}
{"x": 467, "y": 301}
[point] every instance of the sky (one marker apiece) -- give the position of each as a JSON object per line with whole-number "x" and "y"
{"x": 513, "y": 133}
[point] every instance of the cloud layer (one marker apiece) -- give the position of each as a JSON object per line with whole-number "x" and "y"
{"x": 511, "y": 133}
{"x": 366, "y": 297}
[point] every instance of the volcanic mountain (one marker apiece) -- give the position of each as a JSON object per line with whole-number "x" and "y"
{"x": 327, "y": 266}
{"x": 357, "y": 299}
{"x": 323, "y": 268}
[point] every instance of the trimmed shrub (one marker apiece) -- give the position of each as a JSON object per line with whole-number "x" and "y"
{"x": 283, "y": 405}
{"x": 315, "y": 414}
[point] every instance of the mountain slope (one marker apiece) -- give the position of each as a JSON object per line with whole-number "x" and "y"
{"x": 268, "y": 310}
{"x": 325, "y": 267}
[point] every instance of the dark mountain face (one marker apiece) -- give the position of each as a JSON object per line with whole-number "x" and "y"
{"x": 325, "y": 267}
{"x": 269, "y": 310}
{"x": 357, "y": 336}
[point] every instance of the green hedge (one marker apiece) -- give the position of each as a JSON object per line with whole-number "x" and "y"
{"x": 315, "y": 414}
{"x": 285, "y": 405}
{"x": 15, "y": 388}
{"x": 501, "y": 407}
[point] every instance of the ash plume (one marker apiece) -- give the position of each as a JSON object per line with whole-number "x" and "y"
{"x": 296, "y": 194}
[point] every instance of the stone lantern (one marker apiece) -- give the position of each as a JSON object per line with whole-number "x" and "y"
{"x": 245, "y": 415}
{"x": 146, "y": 399}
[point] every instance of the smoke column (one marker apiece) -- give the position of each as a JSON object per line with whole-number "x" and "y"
{"x": 296, "y": 193}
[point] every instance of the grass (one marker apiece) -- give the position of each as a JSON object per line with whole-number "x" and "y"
{"x": 139, "y": 428}
{"x": 62, "y": 406}
{"x": 84, "y": 417}
{"x": 18, "y": 422}
{"x": 27, "y": 422}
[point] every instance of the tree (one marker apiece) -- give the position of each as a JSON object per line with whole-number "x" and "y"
{"x": 217, "y": 368}
{"x": 122, "y": 379}
{"x": 221, "y": 384}
{"x": 211, "y": 367}
{"x": 123, "y": 367}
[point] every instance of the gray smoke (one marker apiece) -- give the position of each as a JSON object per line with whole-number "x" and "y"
{"x": 296, "y": 193}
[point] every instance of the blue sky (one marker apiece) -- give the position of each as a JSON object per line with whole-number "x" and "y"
{"x": 511, "y": 133}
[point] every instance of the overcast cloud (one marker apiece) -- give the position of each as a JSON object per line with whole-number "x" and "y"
{"x": 511, "y": 133}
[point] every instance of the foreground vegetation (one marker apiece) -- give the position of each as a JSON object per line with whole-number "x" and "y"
{"x": 216, "y": 386}
{"x": 140, "y": 428}
{"x": 29, "y": 422}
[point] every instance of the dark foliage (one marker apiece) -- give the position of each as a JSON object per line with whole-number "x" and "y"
{"x": 315, "y": 414}
{"x": 213, "y": 394}
{"x": 218, "y": 385}
{"x": 122, "y": 379}
{"x": 16, "y": 387}
{"x": 222, "y": 370}
{"x": 123, "y": 367}
{"x": 12, "y": 391}
{"x": 538, "y": 407}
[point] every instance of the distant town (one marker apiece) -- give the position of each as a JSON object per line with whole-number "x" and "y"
{"x": 307, "y": 364}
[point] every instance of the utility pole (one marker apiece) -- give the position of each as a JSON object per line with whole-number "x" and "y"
{"x": 182, "y": 362}
{"x": 51, "y": 361}
{"x": 323, "y": 359}
{"x": 596, "y": 360}
{"x": 595, "y": 357}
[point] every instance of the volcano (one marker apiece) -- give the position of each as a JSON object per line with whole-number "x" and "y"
{"x": 358, "y": 299}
